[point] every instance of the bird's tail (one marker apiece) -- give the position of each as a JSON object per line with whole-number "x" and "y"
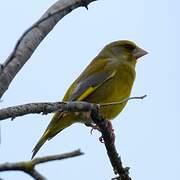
{"x": 41, "y": 141}
{"x": 57, "y": 124}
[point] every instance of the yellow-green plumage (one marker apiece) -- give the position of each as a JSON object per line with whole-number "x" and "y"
{"x": 108, "y": 78}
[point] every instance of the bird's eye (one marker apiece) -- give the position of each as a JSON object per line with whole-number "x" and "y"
{"x": 129, "y": 47}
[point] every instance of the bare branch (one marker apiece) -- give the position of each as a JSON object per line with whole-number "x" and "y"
{"x": 114, "y": 157}
{"x": 45, "y": 159}
{"x": 49, "y": 107}
{"x": 13, "y": 112}
{"x": 29, "y": 166}
{"x": 32, "y": 37}
{"x": 76, "y": 107}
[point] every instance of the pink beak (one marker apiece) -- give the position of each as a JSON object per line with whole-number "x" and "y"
{"x": 138, "y": 52}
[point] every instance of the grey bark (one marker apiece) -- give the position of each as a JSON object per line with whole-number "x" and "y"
{"x": 32, "y": 37}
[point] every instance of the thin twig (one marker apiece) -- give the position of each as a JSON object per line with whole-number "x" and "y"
{"x": 29, "y": 166}
{"x": 124, "y": 100}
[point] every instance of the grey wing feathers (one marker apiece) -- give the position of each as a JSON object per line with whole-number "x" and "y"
{"x": 94, "y": 80}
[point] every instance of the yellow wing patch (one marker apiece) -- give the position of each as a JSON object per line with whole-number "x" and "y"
{"x": 86, "y": 93}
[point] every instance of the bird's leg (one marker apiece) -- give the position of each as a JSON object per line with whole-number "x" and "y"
{"x": 87, "y": 115}
{"x": 111, "y": 132}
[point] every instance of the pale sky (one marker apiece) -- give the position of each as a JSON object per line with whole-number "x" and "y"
{"x": 147, "y": 132}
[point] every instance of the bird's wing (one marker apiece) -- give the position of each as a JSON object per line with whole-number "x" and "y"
{"x": 96, "y": 70}
{"x": 89, "y": 85}
{"x": 96, "y": 74}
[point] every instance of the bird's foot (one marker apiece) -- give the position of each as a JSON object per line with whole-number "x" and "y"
{"x": 93, "y": 126}
{"x": 109, "y": 129}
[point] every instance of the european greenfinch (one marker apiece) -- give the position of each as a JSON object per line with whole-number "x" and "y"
{"x": 108, "y": 78}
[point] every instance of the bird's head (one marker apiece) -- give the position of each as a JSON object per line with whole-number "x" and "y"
{"x": 124, "y": 50}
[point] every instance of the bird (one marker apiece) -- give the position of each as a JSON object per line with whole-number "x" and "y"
{"x": 108, "y": 78}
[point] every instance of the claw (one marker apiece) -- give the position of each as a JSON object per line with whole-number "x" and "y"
{"x": 93, "y": 126}
{"x": 91, "y": 131}
{"x": 101, "y": 139}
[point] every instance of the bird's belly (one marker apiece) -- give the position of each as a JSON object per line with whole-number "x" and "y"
{"x": 113, "y": 91}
